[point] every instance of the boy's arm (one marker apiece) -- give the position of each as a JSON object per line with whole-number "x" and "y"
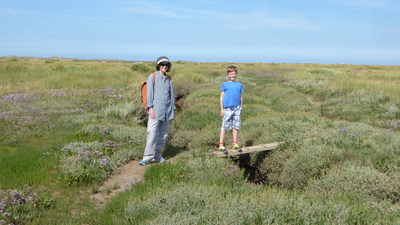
{"x": 221, "y": 99}
{"x": 241, "y": 100}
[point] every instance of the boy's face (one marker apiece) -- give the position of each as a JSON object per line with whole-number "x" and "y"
{"x": 232, "y": 76}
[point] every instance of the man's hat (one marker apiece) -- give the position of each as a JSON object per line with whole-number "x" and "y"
{"x": 163, "y": 59}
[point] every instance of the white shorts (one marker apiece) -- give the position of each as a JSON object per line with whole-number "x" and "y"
{"x": 231, "y": 118}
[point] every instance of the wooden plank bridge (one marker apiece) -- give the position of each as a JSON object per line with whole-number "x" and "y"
{"x": 246, "y": 150}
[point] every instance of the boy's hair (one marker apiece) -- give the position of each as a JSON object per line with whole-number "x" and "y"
{"x": 231, "y": 69}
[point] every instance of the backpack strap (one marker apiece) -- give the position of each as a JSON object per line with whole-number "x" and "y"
{"x": 155, "y": 78}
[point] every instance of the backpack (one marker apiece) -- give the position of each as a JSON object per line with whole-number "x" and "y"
{"x": 144, "y": 90}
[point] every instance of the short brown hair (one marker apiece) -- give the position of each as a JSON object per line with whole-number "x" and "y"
{"x": 231, "y": 69}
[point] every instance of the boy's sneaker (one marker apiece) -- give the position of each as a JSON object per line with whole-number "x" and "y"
{"x": 223, "y": 149}
{"x": 236, "y": 147}
{"x": 143, "y": 162}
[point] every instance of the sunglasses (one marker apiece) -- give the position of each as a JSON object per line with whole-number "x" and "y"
{"x": 164, "y": 64}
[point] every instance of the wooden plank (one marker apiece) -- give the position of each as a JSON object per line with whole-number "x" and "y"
{"x": 247, "y": 150}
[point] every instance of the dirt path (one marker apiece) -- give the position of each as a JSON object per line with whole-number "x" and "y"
{"x": 129, "y": 173}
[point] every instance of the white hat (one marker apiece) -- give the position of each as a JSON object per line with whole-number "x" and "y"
{"x": 163, "y": 59}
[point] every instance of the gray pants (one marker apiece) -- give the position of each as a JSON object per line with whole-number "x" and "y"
{"x": 157, "y": 133}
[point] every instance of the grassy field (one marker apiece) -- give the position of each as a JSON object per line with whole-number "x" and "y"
{"x": 67, "y": 126}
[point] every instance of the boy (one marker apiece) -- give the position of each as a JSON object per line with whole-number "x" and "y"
{"x": 231, "y": 102}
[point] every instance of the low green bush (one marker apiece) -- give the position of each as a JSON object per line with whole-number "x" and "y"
{"x": 181, "y": 138}
{"x": 207, "y": 137}
{"x": 173, "y": 201}
{"x": 92, "y": 162}
{"x": 19, "y": 206}
{"x": 363, "y": 181}
{"x": 85, "y": 162}
{"x": 124, "y": 111}
{"x": 310, "y": 162}
{"x": 142, "y": 68}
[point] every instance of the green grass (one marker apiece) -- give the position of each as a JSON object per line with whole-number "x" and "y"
{"x": 339, "y": 163}
{"x": 19, "y": 167}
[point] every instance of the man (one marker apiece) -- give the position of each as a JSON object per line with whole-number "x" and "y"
{"x": 160, "y": 108}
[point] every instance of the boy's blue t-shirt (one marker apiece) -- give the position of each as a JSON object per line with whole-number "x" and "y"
{"x": 232, "y": 92}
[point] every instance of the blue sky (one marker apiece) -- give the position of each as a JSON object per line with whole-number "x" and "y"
{"x": 280, "y": 31}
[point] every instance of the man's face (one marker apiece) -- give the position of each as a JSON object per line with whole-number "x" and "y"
{"x": 164, "y": 67}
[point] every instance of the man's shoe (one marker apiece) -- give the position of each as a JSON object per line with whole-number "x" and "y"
{"x": 161, "y": 160}
{"x": 143, "y": 162}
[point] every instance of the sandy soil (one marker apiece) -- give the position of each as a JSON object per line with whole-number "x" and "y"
{"x": 129, "y": 173}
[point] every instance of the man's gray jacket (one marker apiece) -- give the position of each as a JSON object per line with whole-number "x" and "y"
{"x": 161, "y": 97}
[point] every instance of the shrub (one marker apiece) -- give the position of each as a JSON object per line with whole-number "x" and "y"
{"x": 308, "y": 163}
{"x": 185, "y": 203}
{"x": 82, "y": 162}
{"x": 128, "y": 133}
{"x": 362, "y": 181}
{"x": 193, "y": 120}
{"x": 123, "y": 111}
{"x": 85, "y": 162}
{"x": 321, "y": 72}
{"x": 142, "y": 68}
{"x": 181, "y": 138}
{"x": 272, "y": 166}
{"x": 207, "y": 137}
{"x": 19, "y": 206}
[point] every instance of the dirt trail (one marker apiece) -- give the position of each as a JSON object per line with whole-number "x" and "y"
{"x": 129, "y": 173}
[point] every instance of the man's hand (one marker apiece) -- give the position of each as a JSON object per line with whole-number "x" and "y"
{"x": 152, "y": 115}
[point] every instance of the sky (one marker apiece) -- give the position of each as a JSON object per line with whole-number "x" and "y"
{"x": 365, "y": 32}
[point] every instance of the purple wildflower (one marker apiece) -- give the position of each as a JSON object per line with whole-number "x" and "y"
{"x": 19, "y": 97}
{"x": 77, "y": 111}
{"x": 110, "y": 93}
{"x": 30, "y": 199}
{"x": 65, "y": 150}
{"x": 82, "y": 153}
{"x": 103, "y": 130}
{"x": 104, "y": 162}
{"x": 387, "y": 131}
{"x": 112, "y": 90}
{"x": 3, "y": 203}
{"x": 16, "y": 218}
{"x": 109, "y": 144}
{"x": 58, "y": 94}
{"x": 17, "y": 198}
{"x": 5, "y": 114}
{"x": 97, "y": 153}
